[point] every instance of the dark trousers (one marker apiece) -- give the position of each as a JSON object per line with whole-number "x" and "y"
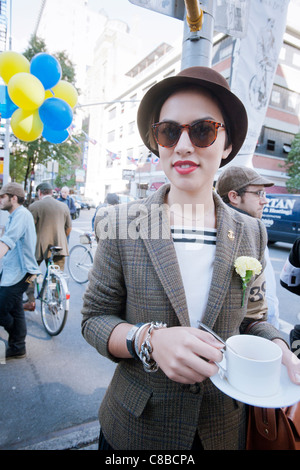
{"x": 12, "y": 316}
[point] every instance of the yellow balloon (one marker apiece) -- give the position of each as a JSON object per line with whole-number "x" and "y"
{"x": 12, "y": 63}
{"x": 49, "y": 94}
{"x": 66, "y": 91}
{"x": 26, "y": 125}
{"x": 26, "y": 91}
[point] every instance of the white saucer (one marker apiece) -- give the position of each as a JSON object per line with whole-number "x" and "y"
{"x": 288, "y": 393}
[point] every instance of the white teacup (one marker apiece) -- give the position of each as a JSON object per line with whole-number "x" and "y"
{"x": 253, "y": 365}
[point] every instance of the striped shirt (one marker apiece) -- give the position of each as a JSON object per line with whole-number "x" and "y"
{"x": 195, "y": 249}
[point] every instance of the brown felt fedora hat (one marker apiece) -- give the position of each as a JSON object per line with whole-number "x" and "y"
{"x": 204, "y": 77}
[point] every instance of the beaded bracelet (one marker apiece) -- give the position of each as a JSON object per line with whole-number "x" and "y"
{"x": 149, "y": 364}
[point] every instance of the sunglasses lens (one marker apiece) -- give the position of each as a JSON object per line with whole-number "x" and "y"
{"x": 167, "y": 134}
{"x": 203, "y": 133}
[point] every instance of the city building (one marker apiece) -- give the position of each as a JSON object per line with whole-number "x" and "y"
{"x": 113, "y": 76}
{"x": 121, "y": 163}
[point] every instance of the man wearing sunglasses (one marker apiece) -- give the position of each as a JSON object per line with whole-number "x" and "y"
{"x": 243, "y": 189}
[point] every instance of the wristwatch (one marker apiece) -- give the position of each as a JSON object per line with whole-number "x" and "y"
{"x": 130, "y": 339}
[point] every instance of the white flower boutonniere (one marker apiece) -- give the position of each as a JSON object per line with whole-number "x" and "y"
{"x": 246, "y": 267}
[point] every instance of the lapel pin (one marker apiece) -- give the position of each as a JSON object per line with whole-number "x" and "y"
{"x": 230, "y": 235}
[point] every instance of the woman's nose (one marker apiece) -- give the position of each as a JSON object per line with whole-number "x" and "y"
{"x": 184, "y": 143}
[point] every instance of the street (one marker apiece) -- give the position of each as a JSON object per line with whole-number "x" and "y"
{"x": 62, "y": 381}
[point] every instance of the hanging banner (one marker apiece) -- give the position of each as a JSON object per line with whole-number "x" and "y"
{"x": 254, "y": 63}
{"x": 231, "y": 17}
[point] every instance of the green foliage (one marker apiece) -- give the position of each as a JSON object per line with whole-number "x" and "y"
{"x": 292, "y": 166}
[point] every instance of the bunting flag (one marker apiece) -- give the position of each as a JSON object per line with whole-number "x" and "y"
{"x": 93, "y": 141}
{"x": 112, "y": 155}
{"x": 133, "y": 160}
{"x": 254, "y": 64}
{"x": 154, "y": 159}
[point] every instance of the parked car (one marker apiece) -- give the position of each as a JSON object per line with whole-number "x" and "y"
{"x": 80, "y": 201}
{"x": 281, "y": 217}
{"x": 89, "y": 201}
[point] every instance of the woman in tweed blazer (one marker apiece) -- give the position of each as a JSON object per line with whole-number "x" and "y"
{"x": 137, "y": 278}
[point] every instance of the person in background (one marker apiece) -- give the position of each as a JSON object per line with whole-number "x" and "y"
{"x": 243, "y": 189}
{"x": 67, "y": 199}
{"x": 53, "y": 224}
{"x": 290, "y": 280}
{"x": 111, "y": 200}
{"x": 19, "y": 266}
{"x": 166, "y": 262}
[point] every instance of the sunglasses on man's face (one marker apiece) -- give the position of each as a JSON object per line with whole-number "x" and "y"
{"x": 202, "y": 133}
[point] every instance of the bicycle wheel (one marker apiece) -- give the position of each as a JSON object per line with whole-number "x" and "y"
{"x": 54, "y": 303}
{"x": 80, "y": 262}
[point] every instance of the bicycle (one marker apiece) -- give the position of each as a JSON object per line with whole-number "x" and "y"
{"x": 81, "y": 258}
{"x": 54, "y": 296}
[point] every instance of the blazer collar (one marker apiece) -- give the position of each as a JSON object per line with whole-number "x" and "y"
{"x": 155, "y": 231}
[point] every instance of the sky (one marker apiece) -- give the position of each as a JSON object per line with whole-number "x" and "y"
{"x": 154, "y": 27}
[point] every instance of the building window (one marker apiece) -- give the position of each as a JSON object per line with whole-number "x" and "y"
{"x": 131, "y": 127}
{"x": 292, "y": 101}
{"x": 275, "y": 97}
{"x": 111, "y": 136}
{"x": 282, "y": 53}
{"x": 112, "y": 113}
{"x": 271, "y": 145}
{"x": 296, "y": 59}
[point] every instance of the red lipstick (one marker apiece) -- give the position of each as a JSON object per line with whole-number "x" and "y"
{"x": 185, "y": 167}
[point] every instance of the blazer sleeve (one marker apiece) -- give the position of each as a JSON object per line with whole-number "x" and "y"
{"x": 104, "y": 303}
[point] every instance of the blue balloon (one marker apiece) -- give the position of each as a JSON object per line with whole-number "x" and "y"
{"x": 55, "y": 137}
{"x": 56, "y": 114}
{"x": 7, "y": 107}
{"x": 46, "y": 68}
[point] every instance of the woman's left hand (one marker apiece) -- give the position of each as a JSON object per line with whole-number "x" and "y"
{"x": 290, "y": 360}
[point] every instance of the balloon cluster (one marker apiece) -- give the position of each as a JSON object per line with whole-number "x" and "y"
{"x": 38, "y": 102}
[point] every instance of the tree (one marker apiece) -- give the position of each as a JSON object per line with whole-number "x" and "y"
{"x": 26, "y": 155}
{"x": 292, "y": 166}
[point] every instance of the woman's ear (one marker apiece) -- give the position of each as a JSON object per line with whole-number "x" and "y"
{"x": 226, "y": 152}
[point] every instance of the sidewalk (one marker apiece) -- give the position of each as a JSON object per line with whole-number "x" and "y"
{"x": 82, "y": 437}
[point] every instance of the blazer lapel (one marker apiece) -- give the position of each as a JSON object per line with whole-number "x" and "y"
{"x": 229, "y": 235}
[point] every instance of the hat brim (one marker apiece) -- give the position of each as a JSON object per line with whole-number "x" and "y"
{"x": 231, "y": 104}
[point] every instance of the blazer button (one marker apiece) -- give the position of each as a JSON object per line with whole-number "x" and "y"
{"x": 195, "y": 388}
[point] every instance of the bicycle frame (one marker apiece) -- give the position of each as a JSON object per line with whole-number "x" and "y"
{"x": 49, "y": 269}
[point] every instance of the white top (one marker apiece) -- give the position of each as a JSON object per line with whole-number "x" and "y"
{"x": 195, "y": 249}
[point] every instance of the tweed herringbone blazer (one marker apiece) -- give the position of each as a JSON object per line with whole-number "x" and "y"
{"x": 136, "y": 278}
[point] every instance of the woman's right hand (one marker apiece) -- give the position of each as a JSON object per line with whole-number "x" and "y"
{"x": 186, "y": 354}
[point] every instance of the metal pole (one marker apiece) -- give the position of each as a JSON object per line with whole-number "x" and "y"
{"x": 197, "y": 45}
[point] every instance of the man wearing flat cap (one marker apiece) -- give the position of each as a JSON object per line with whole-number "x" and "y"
{"x": 17, "y": 248}
{"x": 53, "y": 225}
{"x": 243, "y": 189}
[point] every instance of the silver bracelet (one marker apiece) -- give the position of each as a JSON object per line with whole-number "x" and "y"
{"x": 137, "y": 337}
{"x": 149, "y": 364}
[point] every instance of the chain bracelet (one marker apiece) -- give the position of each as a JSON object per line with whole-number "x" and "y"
{"x": 149, "y": 364}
